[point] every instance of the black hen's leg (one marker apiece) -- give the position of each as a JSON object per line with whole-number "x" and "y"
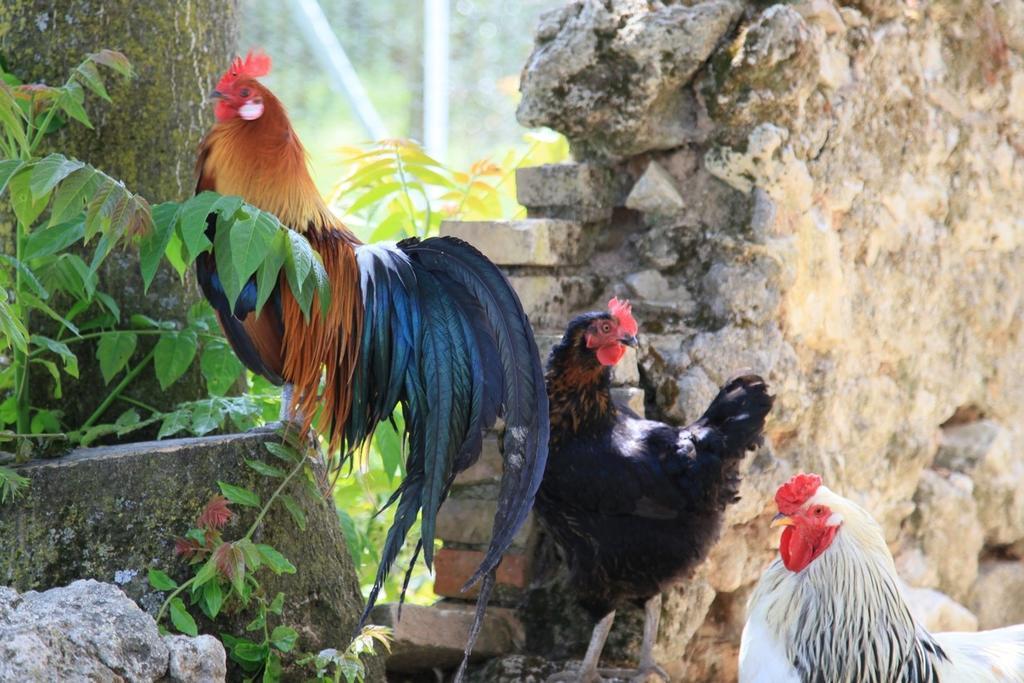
{"x": 648, "y": 667}
{"x": 587, "y": 673}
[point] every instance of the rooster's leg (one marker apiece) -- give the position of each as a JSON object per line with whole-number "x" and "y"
{"x": 587, "y": 672}
{"x": 648, "y": 667}
{"x": 286, "y": 401}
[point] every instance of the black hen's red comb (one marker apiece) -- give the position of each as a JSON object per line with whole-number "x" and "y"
{"x": 622, "y": 311}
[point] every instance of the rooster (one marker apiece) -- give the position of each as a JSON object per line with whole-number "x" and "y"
{"x": 635, "y": 505}
{"x": 831, "y": 610}
{"x": 430, "y": 325}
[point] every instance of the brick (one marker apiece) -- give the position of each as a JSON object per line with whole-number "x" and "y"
{"x": 468, "y": 521}
{"x": 487, "y": 469}
{"x": 453, "y": 568}
{"x": 529, "y": 242}
{"x": 580, "y": 191}
{"x": 433, "y": 637}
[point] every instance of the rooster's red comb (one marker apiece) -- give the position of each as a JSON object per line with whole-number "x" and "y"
{"x": 622, "y": 311}
{"x": 254, "y": 65}
{"x": 796, "y": 492}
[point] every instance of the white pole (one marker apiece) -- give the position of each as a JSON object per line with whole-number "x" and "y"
{"x": 311, "y": 20}
{"x": 436, "y": 67}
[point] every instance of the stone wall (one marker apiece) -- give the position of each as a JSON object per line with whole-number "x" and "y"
{"x": 827, "y": 193}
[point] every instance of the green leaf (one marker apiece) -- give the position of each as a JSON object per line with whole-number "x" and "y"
{"x": 173, "y": 356}
{"x": 50, "y": 240}
{"x": 265, "y": 469}
{"x": 274, "y": 559}
{"x": 249, "y": 651}
{"x": 205, "y": 418}
{"x": 115, "y": 60}
{"x": 192, "y": 223}
{"x": 250, "y": 241}
{"x": 12, "y": 328}
{"x": 28, "y": 275}
{"x": 62, "y": 350}
{"x": 70, "y": 197}
{"x": 205, "y": 574}
{"x": 48, "y": 172}
{"x": 181, "y": 619}
{"x": 225, "y": 263}
{"x": 45, "y": 422}
{"x": 8, "y": 167}
{"x": 114, "y": 351}
{"x": 153, "y": 245}
{"x": 239, "y": 495}
{"x": 127, "y": 421}
{"x": 220, "y": 367}
{"x": 277, "y": 606}
{"x": 89, "y": 76}
{"x": 160, "y": 581}
{"x": 174, "y": 422}
{"x": 26, "y": 205}
{"x": 109, "y": 304}
{"x": 51, "y": 367}
{"x": 286, "y": 453}
{"x": 256, "y": 624}
{"x": 295, "y": 511}
{"x": 283, "y": 638}
{"x": 73, "y": 107}
{"x": 374, "y": 195}
{"x": 213, "y": 598}
{"x": 97, "y": 215}
{"x": 268, "y": 275}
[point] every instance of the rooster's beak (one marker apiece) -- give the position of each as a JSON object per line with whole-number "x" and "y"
{"x": 781, "y": 520}
{"x": 629, "y": 341}
{"x": 215, "y": 95}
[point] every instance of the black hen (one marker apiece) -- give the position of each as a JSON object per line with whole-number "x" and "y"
{"x": 635, "y": 505}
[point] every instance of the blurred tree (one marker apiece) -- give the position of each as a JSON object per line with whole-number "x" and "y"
{"x": 146, "y": 137}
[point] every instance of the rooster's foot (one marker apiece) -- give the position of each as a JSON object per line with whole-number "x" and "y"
{"x": 575, "y": 676}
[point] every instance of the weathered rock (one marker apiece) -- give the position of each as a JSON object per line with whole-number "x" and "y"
{"x": 655, "y": 193}
{"x": 998, "y": 595}
{"x": 468, "y": 521}
{"x": 938, "y": 612}
{"x": 986, "y": 452}
{"x": 610, "y": 76}
{"x": 515, "y": 669}
{"x": 947, "y": 534}
{"x": 109, "y": 513}
{"x": 550, "y": 300}
{"x": 429, "y": 637}
{"x": 534, "y": 241}
{"x": 195, "y": 660}
{"x": 91, "y": 631}
{"x": 576, "y": 191}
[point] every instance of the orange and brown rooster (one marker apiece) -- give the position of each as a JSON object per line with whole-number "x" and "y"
{"x": 430, "y": 325}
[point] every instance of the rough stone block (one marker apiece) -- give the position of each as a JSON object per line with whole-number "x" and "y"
{"x": 581, "y": 191}
{"x": 529, "y": 242}
{"x": 109, "y": 513}
{"x": 488, "y": 468}
{"x": 434, "y": 637}
{"x": 454, "y": 567}
{"x": 549, "y": 301}
{"x": 468, "y": 521}
{"x": 655, "y": 193}
{"x": 998, "y": 595}
{"x": 631, "y": 397}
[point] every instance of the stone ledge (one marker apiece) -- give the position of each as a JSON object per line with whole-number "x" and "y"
{"x": 434, "y": 637}
{"x": 529, "y": 242}
{"x": 548, "y": 300}
{"x": 580, "y": 191}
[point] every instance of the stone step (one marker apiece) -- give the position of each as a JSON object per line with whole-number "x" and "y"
{"x": 434, "y": 637}
{"x": 550, "y": 301}
{"x": 583, "y": 192}
{"x": 526, "y": 242}
{"x": 453, "y": 568}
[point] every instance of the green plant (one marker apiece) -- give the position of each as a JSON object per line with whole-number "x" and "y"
{"x": 331, "y": 665}
{"x": 225, "y": 572}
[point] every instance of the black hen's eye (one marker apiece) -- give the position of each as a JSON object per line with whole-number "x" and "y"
{"x": 606, "y": 328}
{"x": 245, "y": 92}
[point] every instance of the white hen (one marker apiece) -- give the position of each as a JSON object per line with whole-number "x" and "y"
{"x": 830, "y": 609}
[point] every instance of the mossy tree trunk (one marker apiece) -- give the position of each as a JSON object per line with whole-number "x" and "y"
{"x": 147, "y": 138}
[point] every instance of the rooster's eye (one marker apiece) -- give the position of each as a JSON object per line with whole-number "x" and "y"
{"x": 244, "y": 92}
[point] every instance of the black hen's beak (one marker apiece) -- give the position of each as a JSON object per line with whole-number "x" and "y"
{"x": 629, "y": 340}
